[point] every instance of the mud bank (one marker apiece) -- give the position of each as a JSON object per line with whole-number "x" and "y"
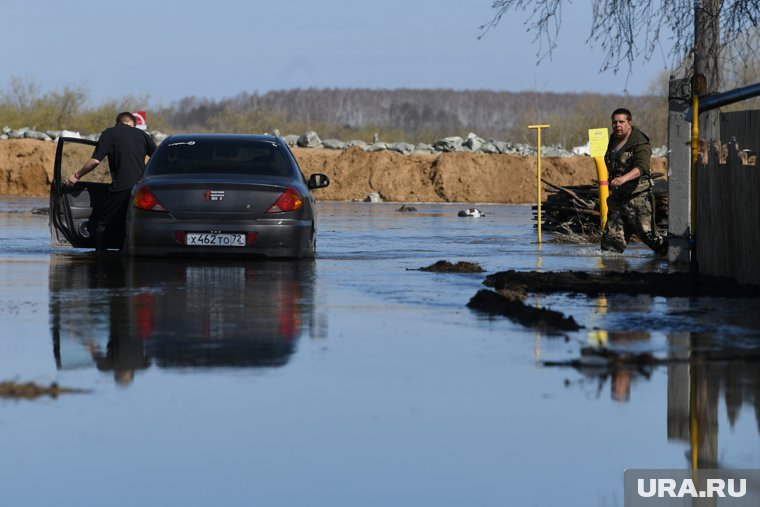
{"x": 26, "y": 169}
{"x": 510, "y": 304}
{"x": 30, "y": 390}
{"x": 449, "y": 267}
{"x": 629, "y": 282}
{"x": 512, "y": 287}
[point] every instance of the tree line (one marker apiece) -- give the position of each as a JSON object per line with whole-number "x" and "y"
{"x": 410, "y": 115}
{"x": 418, "y": 115}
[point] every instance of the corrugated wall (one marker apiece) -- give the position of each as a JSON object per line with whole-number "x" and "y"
{"x": 728, "y": 211}
{"x": 744, "y": 127}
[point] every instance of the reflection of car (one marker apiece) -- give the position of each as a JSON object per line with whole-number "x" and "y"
{"x": 204, "y": 194}
{"x": 125, "y": 314}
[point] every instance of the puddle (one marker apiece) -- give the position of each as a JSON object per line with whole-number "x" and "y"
{"x": 356, "y": 379}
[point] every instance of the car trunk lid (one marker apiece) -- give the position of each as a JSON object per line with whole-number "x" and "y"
{"x": 216, "y": 199}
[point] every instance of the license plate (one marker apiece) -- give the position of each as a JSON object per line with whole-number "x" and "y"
{"x": 212, "y": 239}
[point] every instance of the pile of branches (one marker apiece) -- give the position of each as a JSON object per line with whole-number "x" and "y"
{"x": 572, "y": 214}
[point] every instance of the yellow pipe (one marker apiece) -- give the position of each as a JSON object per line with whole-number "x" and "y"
{"x": 604, "y": 189}
{"x": 538, "y": 173}
{"x": 538, "y": 186}
{"x": 693, "y": 419}
{"x": 694, "y": 159}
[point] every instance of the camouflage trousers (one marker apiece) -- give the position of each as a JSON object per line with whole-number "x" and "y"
{"x": 629, "y": 216}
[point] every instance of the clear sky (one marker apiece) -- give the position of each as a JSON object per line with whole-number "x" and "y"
{"x": 169, "y": 49}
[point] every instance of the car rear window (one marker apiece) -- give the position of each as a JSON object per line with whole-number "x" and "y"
{"x": 220, "y": 157}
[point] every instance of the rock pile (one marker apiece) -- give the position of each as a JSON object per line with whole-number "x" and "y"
{"x": 53, "y": 135}
{"x": 471, "y": 144}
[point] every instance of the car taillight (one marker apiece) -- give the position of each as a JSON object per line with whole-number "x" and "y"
{"x": 144, "y": 199}
{"x": 290, "y": 200}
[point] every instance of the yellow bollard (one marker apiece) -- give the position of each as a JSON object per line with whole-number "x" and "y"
{"x": 604, "y": 189}
{"x": 538, "y": 172}
{"x": 598, "y": 139}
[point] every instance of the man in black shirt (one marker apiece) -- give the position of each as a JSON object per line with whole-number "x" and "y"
{"x": 126, "y": 148}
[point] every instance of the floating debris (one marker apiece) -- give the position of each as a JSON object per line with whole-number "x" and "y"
{"x": 30, "y": 390}
{"x": 459, "y": 267}
{"x": 471, "y": 212}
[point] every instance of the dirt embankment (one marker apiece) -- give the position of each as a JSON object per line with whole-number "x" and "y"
{"x": 26, "y": 168}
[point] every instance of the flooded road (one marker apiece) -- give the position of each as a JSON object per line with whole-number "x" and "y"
{"x": 354, "y": 379}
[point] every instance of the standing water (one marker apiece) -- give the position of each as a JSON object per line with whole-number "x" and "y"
{"x": 355, "y": 379}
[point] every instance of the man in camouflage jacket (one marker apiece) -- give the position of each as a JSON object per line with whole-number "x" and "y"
{"x": 630, "y": 206}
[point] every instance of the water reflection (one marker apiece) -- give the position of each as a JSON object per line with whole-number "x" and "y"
{"x": 124, "y": 315}
{"x": 698, "y": 384}
{"x": 695, "y": 391}
{"x": 598, "y": 370}
{"x": 613, "y": 262}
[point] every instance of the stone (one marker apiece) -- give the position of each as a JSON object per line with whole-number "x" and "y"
{"x": 291, "y": 140}
{"x": 358, "y": 143}
{"x": 474, "y": 142}
{"x": 309, "y": 139}
{"x": 403, "y": 148}
{"x": 453, "y": 143}
{"x": 376, "y": 147}
{"x": 36, "y": 134}
{"x": 333, "y": 144}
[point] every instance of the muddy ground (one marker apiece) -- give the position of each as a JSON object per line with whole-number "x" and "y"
{"x": 26, "y": 169}
{"x": 511, "y": 288}
{"x": 681, "y": 284}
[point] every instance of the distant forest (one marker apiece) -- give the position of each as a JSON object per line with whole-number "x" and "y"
{"x": 417, "y": 115}
{"x": 409, "y": 115}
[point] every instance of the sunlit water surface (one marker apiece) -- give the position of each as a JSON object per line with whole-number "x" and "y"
{"x": 354, "y": 379}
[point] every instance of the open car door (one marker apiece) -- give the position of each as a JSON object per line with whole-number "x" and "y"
{"x": 73, "y": 210}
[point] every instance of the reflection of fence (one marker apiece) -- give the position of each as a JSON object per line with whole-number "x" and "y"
{"x": 728, "y": 208}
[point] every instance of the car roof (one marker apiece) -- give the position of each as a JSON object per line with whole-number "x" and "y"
{"x": 223, "y": 137}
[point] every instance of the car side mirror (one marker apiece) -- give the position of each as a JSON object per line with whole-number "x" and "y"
{"x": 318, "y": 180}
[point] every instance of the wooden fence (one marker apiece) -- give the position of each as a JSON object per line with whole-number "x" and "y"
{"x": 728, "y": 213}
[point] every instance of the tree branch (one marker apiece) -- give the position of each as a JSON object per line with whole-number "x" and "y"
{"x": 629, "y": 31}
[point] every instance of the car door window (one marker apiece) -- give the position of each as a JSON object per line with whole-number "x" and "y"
{"x": 75, "y": 155}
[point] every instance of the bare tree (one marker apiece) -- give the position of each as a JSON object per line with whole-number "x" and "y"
{"x": 629, "y": 31}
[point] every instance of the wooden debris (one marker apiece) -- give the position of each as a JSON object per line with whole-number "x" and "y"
{"x": 572, "y": 213}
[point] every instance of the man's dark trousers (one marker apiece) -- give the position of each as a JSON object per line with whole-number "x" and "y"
{"x": 110, "y": 228}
